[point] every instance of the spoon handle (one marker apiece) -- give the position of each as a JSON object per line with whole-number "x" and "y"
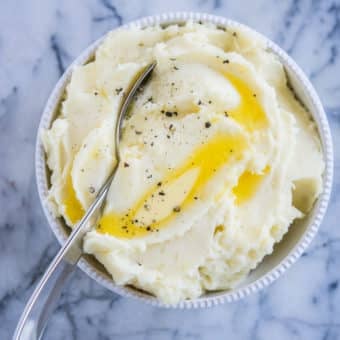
{"x": 43, "y": 300}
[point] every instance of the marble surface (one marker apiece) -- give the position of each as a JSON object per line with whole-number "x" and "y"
{"x": 38, "y": 39}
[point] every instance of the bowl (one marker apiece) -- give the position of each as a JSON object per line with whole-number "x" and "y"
{"x": 285, "y": 253}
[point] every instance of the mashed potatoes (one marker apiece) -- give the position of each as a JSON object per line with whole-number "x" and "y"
{"x": 218, "y": 158}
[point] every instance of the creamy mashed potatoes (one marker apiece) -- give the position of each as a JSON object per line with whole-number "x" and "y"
{"x": 218, "y": 158}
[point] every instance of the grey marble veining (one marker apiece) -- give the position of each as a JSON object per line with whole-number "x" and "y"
{"x": 38, "y": 39}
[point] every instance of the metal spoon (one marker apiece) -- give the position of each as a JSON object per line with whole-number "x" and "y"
{"x": 45, "y": 296}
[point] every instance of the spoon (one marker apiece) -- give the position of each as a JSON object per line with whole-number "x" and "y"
{"x": 42, "y": 302}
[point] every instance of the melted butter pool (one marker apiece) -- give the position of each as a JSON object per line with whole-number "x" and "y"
{"x": 248, "y": 184}
{"x": 180, "y": 188}
{"x": 249, "y": 113}
{"x": 72, "y": 207}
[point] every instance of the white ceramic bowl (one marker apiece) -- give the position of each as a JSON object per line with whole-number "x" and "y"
{"x": 285, "y": 253}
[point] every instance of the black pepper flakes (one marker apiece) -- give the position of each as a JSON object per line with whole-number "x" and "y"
{"x": 119, "y": 90}
{"x": 195, "y": 198}
{"x": 159, "y": 184}
{"x": 126, "y": 165}
{"x": 226, "y": 61}
{"x": 207, "y": 125}
{"x": 138, "y": 132}
{"x": 234, "y": 34}
{"x": 96, "y": 93}
{"x": 148, "y": 228}
{"x": 254, "y": 95}
{"x": 91, "y": 190}
{"x": 209, "y": 101}
{"x": 161, "y": 193}
{"x": 226, "y": 113}
{"x": 177, "y": 208}
{"x": 176, "y": 68}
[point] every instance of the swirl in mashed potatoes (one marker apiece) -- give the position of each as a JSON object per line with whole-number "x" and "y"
{"x": 218, "y": 157}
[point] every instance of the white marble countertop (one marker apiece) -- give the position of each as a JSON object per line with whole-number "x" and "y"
{"x": 38, "y": 39}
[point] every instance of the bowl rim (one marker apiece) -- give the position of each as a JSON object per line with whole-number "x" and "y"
{"x": 318, "y": 211}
